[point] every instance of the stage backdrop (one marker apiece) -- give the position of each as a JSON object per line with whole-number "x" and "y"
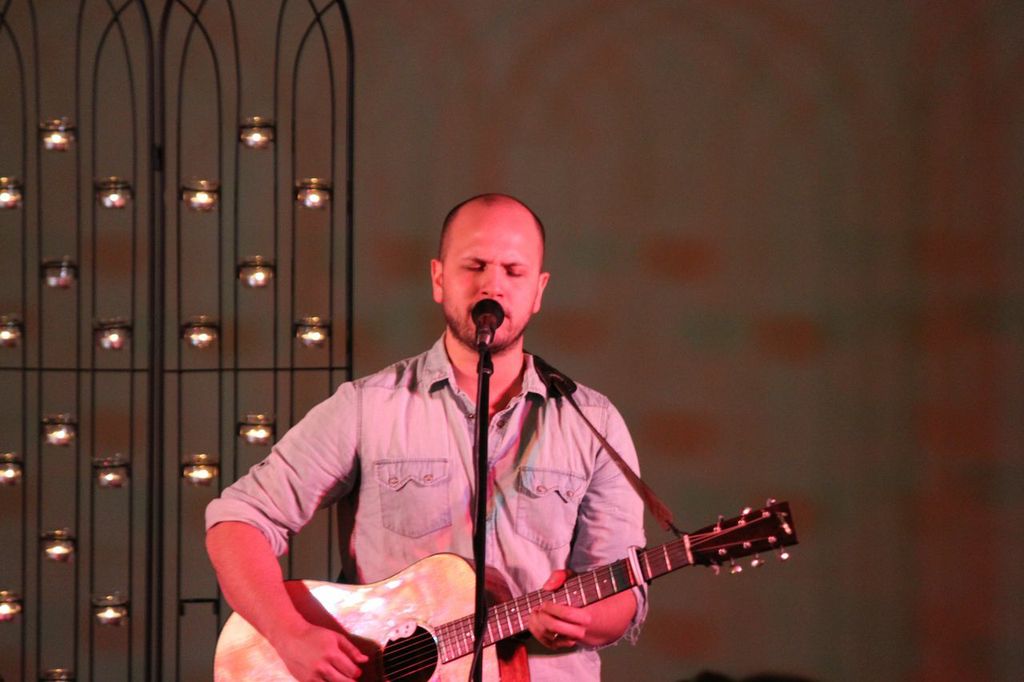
{"x": 785, "y": 239}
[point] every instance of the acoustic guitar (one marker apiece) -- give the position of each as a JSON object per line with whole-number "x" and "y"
{"x": 418, "y": 624}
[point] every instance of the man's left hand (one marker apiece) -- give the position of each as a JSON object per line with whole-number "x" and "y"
{"x": 558, "y": 626}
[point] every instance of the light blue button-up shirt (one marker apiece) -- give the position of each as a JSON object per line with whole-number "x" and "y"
{"x": 398, "y": 446}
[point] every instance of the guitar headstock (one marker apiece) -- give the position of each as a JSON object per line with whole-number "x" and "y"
{"x": 751, "y": 533}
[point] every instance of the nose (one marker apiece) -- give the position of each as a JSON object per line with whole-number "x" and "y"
{"x": 492, "y": 283}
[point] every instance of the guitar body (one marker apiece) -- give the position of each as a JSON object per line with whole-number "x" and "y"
{"x": 381, "y": 617}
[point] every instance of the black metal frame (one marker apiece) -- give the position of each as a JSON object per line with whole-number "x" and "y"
{"x": 151, "y": 370}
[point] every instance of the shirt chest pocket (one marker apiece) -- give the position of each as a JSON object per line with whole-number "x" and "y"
{"x": 547, "y": 505}
{"x": 413, "y": 495}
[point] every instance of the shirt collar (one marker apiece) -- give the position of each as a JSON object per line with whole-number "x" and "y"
{"x": 437, "y": 368}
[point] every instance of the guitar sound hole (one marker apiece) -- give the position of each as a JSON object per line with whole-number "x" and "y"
{"x": 412, "y": 658}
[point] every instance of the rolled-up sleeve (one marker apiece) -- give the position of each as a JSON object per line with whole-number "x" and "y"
{"x": 611, "y": 513}
{"x": 312, "y": 466}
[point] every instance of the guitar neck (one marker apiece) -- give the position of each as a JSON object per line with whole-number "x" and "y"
{"x": 769, "y": 528}
{"x": 509, "y": 618}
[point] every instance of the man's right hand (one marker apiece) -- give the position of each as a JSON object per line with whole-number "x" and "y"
{"x": 251, "y": 580}
{"x": 316, "y": 653}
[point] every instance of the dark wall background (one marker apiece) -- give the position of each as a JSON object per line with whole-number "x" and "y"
{"x": 786, "y": 239}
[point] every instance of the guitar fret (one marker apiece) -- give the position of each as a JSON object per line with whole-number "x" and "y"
{"x": 668, "y": 564}
{"x": 615, "y": 586}
{"x": 441, "y": 641}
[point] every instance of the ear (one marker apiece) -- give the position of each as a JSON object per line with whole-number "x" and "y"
{"x": 436, "y": 279}
{"x": 542, "y": 282}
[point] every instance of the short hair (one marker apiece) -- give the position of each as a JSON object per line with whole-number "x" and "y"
{"x": 488, "y": 199}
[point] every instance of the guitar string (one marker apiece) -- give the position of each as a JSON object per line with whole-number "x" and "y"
{"x": 459, "y": 629}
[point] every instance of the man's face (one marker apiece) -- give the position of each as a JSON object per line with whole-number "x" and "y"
{"x": 491, "y": 251}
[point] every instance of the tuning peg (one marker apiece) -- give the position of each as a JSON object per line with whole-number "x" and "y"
{"x": 716, "y": 569}
{"x": 757, "y": 561}
{"x": 718, "y": 525}
{"x": 734, "y": 567}
{"x": 783, "y": 555}
{"x": 770, "y": 502}
{"x": 746, "y": 511}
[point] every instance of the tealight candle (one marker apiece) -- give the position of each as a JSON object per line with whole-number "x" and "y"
{"x": 113, "y": 192}
{"x": 59, "y": 545}
{"x": 10, "y": 331}
{"x": 60, "y": 274}
{"x": 312, "y": 332}
{"x": 10, "y": 192}
{"x": 199, "y": 469}
{"x": 201, "y": 195}
{"x": 58, "y": 134}
{"x": 112, "y": 334}
{"x": 255, "y": 272}
{"x": 10, "y": 469}
{"x": 110, "y": 609}
{"x": 256, "y": 132}
{"x": 59, "y": 429}
{"x": 200, "y": 331}
{"x": 257, "y": 429}
{"x": 313, "y": 193}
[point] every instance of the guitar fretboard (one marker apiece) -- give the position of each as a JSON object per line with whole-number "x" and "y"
{"x": 455, "y": 638}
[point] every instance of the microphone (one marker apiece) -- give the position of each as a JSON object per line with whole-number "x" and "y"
{"x": 487, "y": 316}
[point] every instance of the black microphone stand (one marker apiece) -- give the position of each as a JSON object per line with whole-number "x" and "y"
{"x": 484, "y": 370}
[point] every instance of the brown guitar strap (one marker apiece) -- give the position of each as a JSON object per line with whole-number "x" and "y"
{"x": 511, "y": 653}
{"x": 559, "y": 385}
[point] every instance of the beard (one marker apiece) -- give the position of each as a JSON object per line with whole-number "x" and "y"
{"x": 461, "y": 324}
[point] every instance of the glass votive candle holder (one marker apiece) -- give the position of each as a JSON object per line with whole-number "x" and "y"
{"x": 200, "y": 331}
{"x": 60, "y": 274}
{"x": 113, "y": 192}
{"x": 256, "y": 132}
{"x": 10, "y": 605}
{"x": 59, "y": 429}
{"x": 11, "y": 195}
{"x": 257, "y": 429}
{"x": 313, "y": 192}
{"x": 11, "y": 469}
{"x": 11, "y": 329}
{"x": 58, "y": 134}
{"x": 255, "y": 272}
{"x": 199, "y": 469}
{"x": 113, "y": 333}
{"x": 201, "y": 195}
{"x": 111, "y": 472}
{"x": 110, "y": 609}
{"x": 313, "y": 331}
{"x": 58, "y": 545}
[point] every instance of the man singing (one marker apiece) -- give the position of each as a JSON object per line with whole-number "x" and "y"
{"x": 396, "y": 448}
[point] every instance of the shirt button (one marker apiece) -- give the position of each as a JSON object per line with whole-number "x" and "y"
{"x": 470, "y": 416}
{"x": 501, "y": 423}
{"x": 541, "y": 489}
{"x": 568, "y": 493}
{"x": 428, "y": 478}
{"x": 393, "y": 481}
